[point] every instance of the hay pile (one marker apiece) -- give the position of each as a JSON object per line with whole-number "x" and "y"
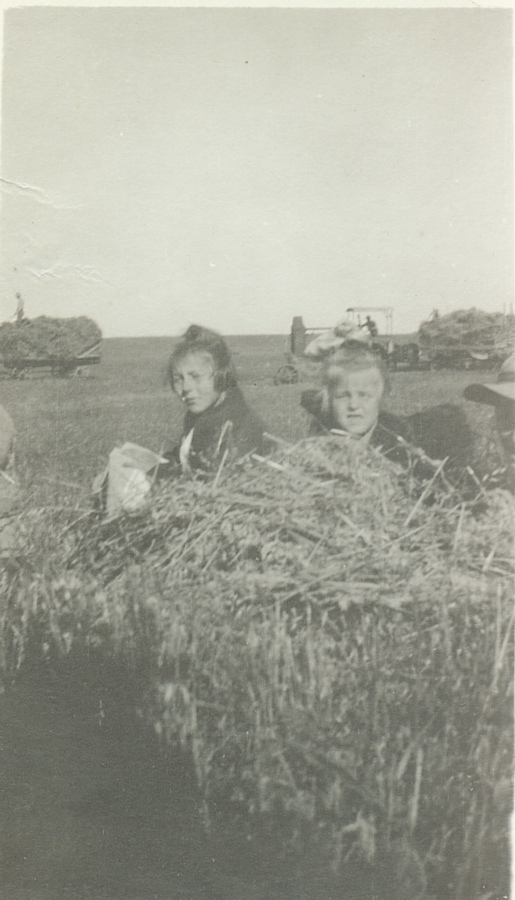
{"x": 328, "y": 637}
{"x": 322, "y": 523}
{"x": 47, "y": 338}
{"x": 470, "y": 329}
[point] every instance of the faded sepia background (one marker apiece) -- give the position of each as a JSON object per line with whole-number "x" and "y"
{"x": 240, "y": 166}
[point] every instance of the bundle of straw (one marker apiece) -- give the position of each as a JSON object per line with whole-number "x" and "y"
{"x": 330, "y": 638}
{"x": 321, "y": 520}
{"x": 323, "y": 523}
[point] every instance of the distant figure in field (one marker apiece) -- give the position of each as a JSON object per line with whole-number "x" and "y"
{"x": 355, "y": 383}
{"x": 372, "y": 327}
{"x": 501, "y": 395}
{"x": 218, "y": 423}
{"x": 19, "y": 309}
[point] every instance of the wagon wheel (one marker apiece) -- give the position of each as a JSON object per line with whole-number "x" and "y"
{"x": 77, "y": 372}
{"x": 64, "y": 370}
{"x": 288, "y": 374}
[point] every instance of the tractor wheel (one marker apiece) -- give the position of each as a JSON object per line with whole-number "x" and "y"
{"x": 288, "y": 374}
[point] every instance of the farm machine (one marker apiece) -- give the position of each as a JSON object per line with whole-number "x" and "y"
{"x": 466, "y": 339}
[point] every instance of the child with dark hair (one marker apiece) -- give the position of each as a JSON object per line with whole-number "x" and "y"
{"x": 218, "y": 421}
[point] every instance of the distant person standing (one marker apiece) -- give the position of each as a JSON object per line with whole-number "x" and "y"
{"x": 501, "y": 395}
{"x": 372, "y": 327}
{"x": 19, "y": 308}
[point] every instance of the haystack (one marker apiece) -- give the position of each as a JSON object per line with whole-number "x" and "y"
{"x": 323, "y": 518}
{"x": 48, "y": 338}
{"x": 470, "y": 329}
{"x": 331, "y": 639}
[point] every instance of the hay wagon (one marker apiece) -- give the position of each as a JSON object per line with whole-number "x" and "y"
{"x": 441, "y": 355}
{"x": 466, "y": 339}
{"x": 60, "y": 366}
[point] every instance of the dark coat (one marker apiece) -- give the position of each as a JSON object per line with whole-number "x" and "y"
{"x": 439, "y": 431}
{"x": 442, "y": 432}
{"x": 231, "y": 425}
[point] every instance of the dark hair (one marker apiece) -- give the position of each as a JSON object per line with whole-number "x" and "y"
{"x": 204, "y": 341}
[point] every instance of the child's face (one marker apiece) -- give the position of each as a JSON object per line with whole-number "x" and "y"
{"x": 194, "y": 380}
{"x": 355, "y": 397}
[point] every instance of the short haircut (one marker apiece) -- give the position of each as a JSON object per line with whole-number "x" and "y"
{"x": 354, "y": 358}
{"x": 202, "y": 341}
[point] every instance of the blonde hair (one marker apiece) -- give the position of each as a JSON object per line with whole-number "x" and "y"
{"x": 350, "y": 359}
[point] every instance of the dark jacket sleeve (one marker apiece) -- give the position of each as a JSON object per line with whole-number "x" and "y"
{"x": 247, "y": 434}
{"x": 391, "y": 435}
{"x": 442, "y": 432}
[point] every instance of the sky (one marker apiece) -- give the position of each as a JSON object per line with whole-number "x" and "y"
{"x": 238, "y": 167}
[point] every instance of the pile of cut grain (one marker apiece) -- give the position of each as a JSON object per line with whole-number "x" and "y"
{"x": 330, "y": 638}
{"x": 321, "y": 522}
{"x": 47, "y": 338}
{"x": 470, "y": 329}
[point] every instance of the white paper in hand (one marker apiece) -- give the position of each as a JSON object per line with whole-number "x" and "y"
{"x": 128, "y": 483}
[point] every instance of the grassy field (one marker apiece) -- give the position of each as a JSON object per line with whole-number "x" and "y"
{"x": 67, "y": 427}
{"x": 337, "y": 659}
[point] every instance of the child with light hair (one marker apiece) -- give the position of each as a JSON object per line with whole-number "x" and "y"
{"x": 355, "y": 384}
